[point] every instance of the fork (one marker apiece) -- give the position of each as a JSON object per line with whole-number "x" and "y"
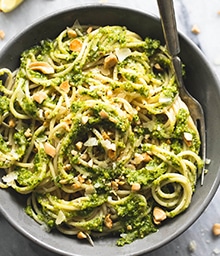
{"x": 168, "y": 21}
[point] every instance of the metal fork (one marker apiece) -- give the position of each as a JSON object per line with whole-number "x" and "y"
{"x": 168, "y": 21}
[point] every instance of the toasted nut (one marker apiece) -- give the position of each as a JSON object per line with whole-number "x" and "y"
{"x": 42, "y": 66}
{"x": 114, "y": 185}
{"x": 108, "y": 221}
{"x": 111, "y": 154}
{"x": 67, "y": 167}
{"x": 2, "y": 34}
{"x": 79, "y": 145}
{"x": 89, "y": 30}
{"x": 195, "y": 30}
{"x": 146, "y": 157}
{"x": 74, "y": 152}
{"x": 81, "y": 235}
{"x": 138, "y": 158}
{"x": 76, "y": 186}
{"x": 105, "y": 136}
{"x": 28, "y": 133}
{"x": 121, "y": 183}
{"x": 103, "y": 114}
{"x": 84, "y": 156}
{"x": 65, "y": 86}
{"x": 216, "y": 229}
{"x": 40, "y": 96}
{"x": 129, "y": 227}
{"x": 110, "y": 61}
{"x": 11, "y": 123}
{"x": 49, "y": 149}
{"x": 158, "y": 67}
{"x": 159, "y": 215}
{"x": 76, "y": 45}
{"x": 66, "y": 126}
{"x": 71, "y": 33}
{"x": 135, "y": 187}
{"x": 81, "y": 179}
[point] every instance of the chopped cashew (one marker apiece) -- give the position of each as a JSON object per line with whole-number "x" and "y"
{"x": 135, "y": 187}
{"x": 159, "y": 215}
{"x": 11, "y": 123}
{"x": 114, "y": 185}
{"x": 76, "y": 186}
{"x": 28, "y": 133}
{"x": 40, "y": 96}
{"x": 81, "y": 235}
{"x": 138, "y": 158}
{"x": 42, "y": 66}
{"x": 129, "y": 227}
{"x": 2, "y": 34}
{"x": 108, "y": 221}
{"x": 146, "y": 157}
{"x": 79, "y": 145}
{"x": 71, "y": 33}
{"x": 89, "y": 30}
{"x": 105, "y": 136}
{"x": 216, "y": 229}
{"x": 81, "y": 179}
{"x": 195, "y": 30}
{"x": 103, "y": 114}
{"x": 65, "y": 86}
{"x": 67, "y": 167}
{"x": 76, "y": 45}
{"x": 49, "y": 149}
{"x": 111, "y": 154}
{"x": 158, "y": 67}
{"x": 110, "y": 61}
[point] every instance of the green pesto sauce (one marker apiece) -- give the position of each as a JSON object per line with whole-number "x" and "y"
{"x": 4, "y": 104}
{"x": 132, "y": 213}
{"x": 3, "y": 145}
{"x": 181, "y": 127}
{"x": 29, "y": 107}
{"x": 21, "y": 142}
{"x": 151, "y": 46}
{"x": 32, "y": 177}
{"x": 145, "y": 176}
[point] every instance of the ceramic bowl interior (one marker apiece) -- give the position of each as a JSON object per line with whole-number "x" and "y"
{"x": 200, "y": 81}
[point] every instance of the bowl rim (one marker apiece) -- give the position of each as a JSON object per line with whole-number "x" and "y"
{"x": 195, "y": 48}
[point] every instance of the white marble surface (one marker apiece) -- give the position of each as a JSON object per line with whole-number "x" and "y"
{"x": 204, "y": 14}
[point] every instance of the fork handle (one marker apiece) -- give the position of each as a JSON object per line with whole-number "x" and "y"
{"x": 169, "y": 27}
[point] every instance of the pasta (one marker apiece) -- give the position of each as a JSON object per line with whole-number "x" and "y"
{"x": 94, "y": 131}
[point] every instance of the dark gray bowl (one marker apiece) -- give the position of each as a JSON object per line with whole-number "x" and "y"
{"x": 201, "y": 82}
